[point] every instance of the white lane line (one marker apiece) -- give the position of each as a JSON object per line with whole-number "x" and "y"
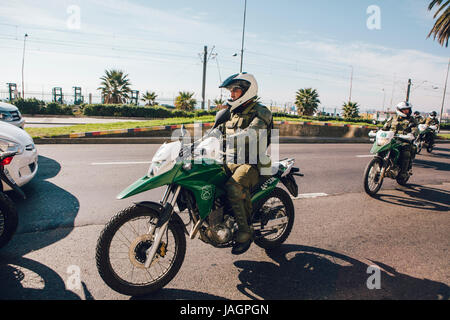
{"x": 310, "y": 196}
{"x": 118, "y": 163}
{"x": 365, "y": 156}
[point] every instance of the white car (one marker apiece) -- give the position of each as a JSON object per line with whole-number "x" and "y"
{"x": 24, "y": 165}
{"x": 11, "y": 114}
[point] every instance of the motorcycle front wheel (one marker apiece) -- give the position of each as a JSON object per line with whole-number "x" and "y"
{"x": 121, "y": 252}
{"x": 8, "y": 219}
{"x": 277, "y": 206}
{"x": 372, "y": 177}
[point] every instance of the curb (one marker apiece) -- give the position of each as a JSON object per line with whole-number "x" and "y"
{"x": 161, "y": 140}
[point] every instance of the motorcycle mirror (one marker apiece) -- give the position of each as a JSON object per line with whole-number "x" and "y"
{"x": 221, "y": 117}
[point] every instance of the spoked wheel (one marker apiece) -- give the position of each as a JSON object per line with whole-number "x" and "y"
{"x": 121, "y": 252}
{"x": 372, "y": 176}
{"x": 8, "y": 219}
{"x": 276, "y": 214}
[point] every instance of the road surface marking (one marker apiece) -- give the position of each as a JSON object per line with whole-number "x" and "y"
{"x": 365, "y": 156}
{"x": 118, "y": 163}
{"x": 310, "y": 196}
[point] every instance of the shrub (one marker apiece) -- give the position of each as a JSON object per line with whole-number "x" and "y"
{"x": 29, "y": 106}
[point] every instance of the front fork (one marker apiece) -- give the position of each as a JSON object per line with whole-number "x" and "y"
{"x": 384, "y": 168}
{"x": 162, "y": 224}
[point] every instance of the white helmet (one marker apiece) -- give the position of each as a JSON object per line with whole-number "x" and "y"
{"x": 247, "y": 83}
{"x": 404, "y": 106}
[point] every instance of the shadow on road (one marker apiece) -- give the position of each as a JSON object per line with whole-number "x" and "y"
{"x": 419, "y": 197}
{"x": 47, "y": 207}
{"x": 300, "y": 272}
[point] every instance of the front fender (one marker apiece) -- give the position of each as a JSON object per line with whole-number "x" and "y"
{"x": 147, "y": 183}
{"x": 161, "y": 212}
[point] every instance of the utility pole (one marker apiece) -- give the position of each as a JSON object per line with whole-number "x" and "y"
{"x": 408, "y": 92}
{"x": 243, "y": 36}
{"x": 205, "y": 61}
{"x": 351, "y": 86}
{"x": 443, "y": 98}
{"x": 23, "y": 64}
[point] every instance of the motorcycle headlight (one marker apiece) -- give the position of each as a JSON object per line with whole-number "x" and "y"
{"x": 383, "y": 141}
{"x": 10, "y": 146}
{"x": 159, "y": 167}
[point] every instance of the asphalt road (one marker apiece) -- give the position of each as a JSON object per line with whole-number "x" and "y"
{"x": 338, "y": 233}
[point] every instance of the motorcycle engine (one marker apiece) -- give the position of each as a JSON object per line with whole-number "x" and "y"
{"x": 221, "y": 227}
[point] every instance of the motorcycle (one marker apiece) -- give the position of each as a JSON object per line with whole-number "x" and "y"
{"x": 143, "y": 247}
{"x": 386, "y": 147}
{"x": 425, "y": 138}
{"x": 8, "y": 212}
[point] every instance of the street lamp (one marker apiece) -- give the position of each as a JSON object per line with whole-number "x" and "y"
{"x": 23, "y": 63}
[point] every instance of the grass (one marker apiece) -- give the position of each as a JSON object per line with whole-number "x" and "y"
{"x": 445, "y": 136}
{"x": 49, "y": 132}
{"x": 58, "y": 131}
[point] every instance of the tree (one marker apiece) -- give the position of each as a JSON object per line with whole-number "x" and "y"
{"x": 218, "y": 102}
{"x": 350, "y": 110}
{"x": 115, "y": 87}
{"x": 184, "y": 101}
{"x": 441, "y": 28}
{"x": 149, "y": 98}
{"x": 307, "y": 101}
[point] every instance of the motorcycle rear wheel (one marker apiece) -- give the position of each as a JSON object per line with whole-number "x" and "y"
{"x": 278, "y": 204}
{"x": 372, "y": 177}
{"x": 8, "y": 219}
{"x": 132, "y": 256}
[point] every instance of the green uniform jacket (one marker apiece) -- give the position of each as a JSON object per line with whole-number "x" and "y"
{"x": 400, "y": 125}
{"x": 249, "y": 126}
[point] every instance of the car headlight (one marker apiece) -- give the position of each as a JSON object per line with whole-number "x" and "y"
{"x": 10, "y": 146}
{"x": 6, "y": 116}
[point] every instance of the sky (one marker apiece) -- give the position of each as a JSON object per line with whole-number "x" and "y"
{"x": 289, "y": 45}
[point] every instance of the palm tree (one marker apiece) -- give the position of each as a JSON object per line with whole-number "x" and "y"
{"x": 184, "y": 101}
{"x": 441, "y": 29}
{"x": 350, "y": 110}
{"x": 307, "y": 101}
{"x": 115, "y": 87}
{"x": 149, "y": 98}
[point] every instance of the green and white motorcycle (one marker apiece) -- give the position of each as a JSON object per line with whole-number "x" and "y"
{"x": 143, "y": 247}
{"x": 425, "y": 138}
{"x": 386, "y": 147}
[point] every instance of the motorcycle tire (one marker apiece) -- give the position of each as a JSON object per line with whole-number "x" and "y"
{"x": 372, "y": 191}
{"x": 103, "y": 254}
{"x": 9, "y": 219}
{"x": 284, "y": 198}
{"x": 430, "y": 148}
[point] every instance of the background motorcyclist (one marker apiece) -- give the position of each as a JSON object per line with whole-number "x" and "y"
{"x": 247, "y": 116}
{"x": 432, "y": 121}
{"x": 419, "y": 119}
{"x": 404, "y": 123}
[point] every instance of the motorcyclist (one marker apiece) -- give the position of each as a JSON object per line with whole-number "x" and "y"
{"x": 403, "y": 123}
{"x": 247, "y": 116}
{"x": 419, "y": 119}
{"x": 432, "y": 121}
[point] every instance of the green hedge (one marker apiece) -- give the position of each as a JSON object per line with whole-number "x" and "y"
{"x": 155, "y": 112}
{"x": 35, "y": 106}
